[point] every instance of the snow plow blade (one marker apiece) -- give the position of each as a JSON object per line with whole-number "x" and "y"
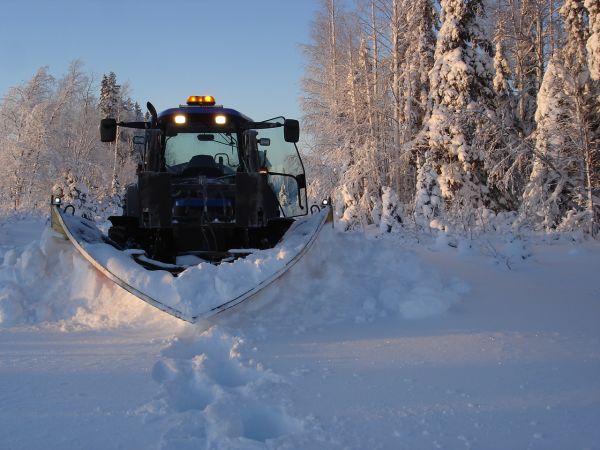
{"x": 213, "y": 289}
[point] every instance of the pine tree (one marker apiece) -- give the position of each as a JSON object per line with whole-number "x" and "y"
{"x": 110, "y": 97}
{"x": 138, "y": 114}
{"x": 116, "y": 103}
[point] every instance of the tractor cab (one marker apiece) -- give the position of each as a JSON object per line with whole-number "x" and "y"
{"x": 210, "y": 180}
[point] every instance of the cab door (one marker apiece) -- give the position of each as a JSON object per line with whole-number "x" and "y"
{"x": 282, "y": 162}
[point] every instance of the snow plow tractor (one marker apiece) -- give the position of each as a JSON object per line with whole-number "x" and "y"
{"x": 211, "y": 180}
{"x": 213, "y": 187}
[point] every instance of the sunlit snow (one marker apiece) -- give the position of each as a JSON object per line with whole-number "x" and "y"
{"x": 371, "y": 341}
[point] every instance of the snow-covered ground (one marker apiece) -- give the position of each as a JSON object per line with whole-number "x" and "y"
{"x": 367, "y": 343}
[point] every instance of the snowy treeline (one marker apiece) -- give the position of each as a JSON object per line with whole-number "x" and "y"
{"x": 49, "y": 140}
{"x": 448, "y": 113}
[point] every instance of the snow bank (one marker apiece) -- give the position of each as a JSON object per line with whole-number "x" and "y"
{"x": 48, "y": 282}
{"x": 211, "y": 397}
{"x": 342, "y": 278}
{"x": 346, "y": 278}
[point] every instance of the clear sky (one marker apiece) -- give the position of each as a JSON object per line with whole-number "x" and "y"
{"x": 244, "y": 52}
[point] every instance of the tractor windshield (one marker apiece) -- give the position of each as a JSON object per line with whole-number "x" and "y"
{"x": 208, "y": 154}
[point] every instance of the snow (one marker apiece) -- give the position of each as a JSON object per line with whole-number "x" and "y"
{"x": 219, "y": 283}
{"x": 371, "y": 341}
{"x": 45, "y": 281}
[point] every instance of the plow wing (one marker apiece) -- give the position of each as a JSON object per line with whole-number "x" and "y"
{"x": 200, "y": 290}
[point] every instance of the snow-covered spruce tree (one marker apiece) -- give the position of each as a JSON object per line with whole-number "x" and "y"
{"x": 138, "y": 114}
{"x": 110, "y": 95}
{"x": 564, "y": 187}
{"x": 116, "y": 103}
{"x": 462, "y": 100}
{"x": 111, "y": 106}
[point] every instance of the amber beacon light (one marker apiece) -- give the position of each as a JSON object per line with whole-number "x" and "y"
{"x": 203, "y": 100}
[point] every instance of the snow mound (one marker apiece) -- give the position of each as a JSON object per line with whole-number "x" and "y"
{"x": 210, "y": 397}
{"x": 345, "y": 278}
{"x": 48, "y": 282}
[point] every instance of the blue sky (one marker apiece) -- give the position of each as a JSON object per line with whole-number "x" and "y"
{"x": 245, "y": 53}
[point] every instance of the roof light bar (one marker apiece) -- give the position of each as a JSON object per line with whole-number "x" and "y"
{"x": 201, "y": 100}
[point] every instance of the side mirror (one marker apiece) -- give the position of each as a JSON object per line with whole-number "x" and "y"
{"x": 108, "y": 130}
{"x": 291, "y": 130}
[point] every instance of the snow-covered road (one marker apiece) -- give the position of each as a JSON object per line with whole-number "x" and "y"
{"x": 75, "y": 390}
{"x": 367, "y": 343}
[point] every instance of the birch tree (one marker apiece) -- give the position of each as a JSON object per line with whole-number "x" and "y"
{"x": 49, "y": 140}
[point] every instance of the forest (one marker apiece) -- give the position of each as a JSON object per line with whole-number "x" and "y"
{"x": 50, "y": 145}
{"x": 454, "y": 115}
